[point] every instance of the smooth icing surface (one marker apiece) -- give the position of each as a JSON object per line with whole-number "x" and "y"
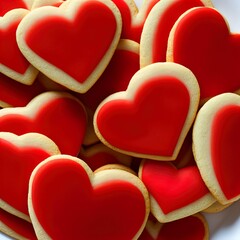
{"x": 63, "y": 120}
{"x": 225, "y": 144}
{"x": 165, "y": 24}
{"x": 17, "y": 225}
{"x": 9, "y": 48}
{"x": 131, "y": 28}
{"x": 152, "y": 122}
{"x": 111, "y": 210}
{"x": 17, "y": 94}
{"x": 213, "y": 58}
{"x": 188, "y": 228}
{"x": 172, "y": 188}
{"x": 67, "y": 47}
{"x": 113, "y": 79}
{"x": 17, "y": 165}
{"x": 6, "y": 6}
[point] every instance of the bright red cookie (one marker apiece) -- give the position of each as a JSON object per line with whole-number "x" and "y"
{"x": 156, "y": 30}
{"x": 189, "y": 228}
{"x": 12, "y": 62}
{"x": 15, "y": 94}
{"x": 109, "y": 204}
{"x": 133, "y": 18}
{"x": 16, "y": 227}
{"x": 6, "y": 6}
{"x": 58, "y": 115}
{"x": 216, "y": 142}
{"x": 213, "y": 58}
{"x": 152, "y": 117}
{"x": 174, "y": 193}
{"x": 19, "y": 156}
{"x": 70, "y": 55}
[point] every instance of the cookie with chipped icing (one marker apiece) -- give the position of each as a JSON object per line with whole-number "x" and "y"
{"x": 189, "y": 228}
{"x": 214, "y": 65}
{"x": 58, "y": 115}
{"x": 15, "y": 227}
{"x": 117, "y": 199}
{"x": 157, "y": 27}
{"x": 216, "y": 144}
{"x": 174, "y": 193}
{"x": 68, "y": 56}
{"x": 133, "y": 18}
{"x": 153, "y": 116}
{"x": 15, "y": 94}
{"x": 19, "y": 156}
{"x": 17, "y": 67}
{"x": 99, "y": 155}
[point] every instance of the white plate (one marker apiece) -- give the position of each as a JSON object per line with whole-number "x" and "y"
{"x": 226, "y": 224}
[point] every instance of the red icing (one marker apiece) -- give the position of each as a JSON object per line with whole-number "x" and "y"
{"x": 17, "y": 165}
{"x": 129, "y": 29}
{"x": 17, "y": 225}
{"x": 152, "y": 122}
{"x": 213, "y": 58}
{"x": 8, "y": 5}
{"x": 17, "y": 94}
{"x": 113, "y": 210}
{"x": 99, "y": 159}
{"x": 72, "y": 46}
{"x": 172, "y": 188}
{"x": 9, "y": 48}
{"x": 165, "y": 24}
{"x": 62, "y": 119}
{"x": 113, "y": 79}
{"x": 188, "y": 228}
{"x": 225, "y": 144}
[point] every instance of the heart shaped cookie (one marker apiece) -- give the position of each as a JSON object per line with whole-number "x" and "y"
{"x": 152, "y": 117}
{"x": 155, "y": 33}
{"x": 133, "y": 18}
{"x": 216, "y": 143}
{"x": 58, "y": 115}
{"x": 213, "y": 58}
{"x": 16, "y": 227}
{"x": 174, "y": 193}
{"x": 17, "y": 67}
{"x": 19, "y": 156}
{"x": 70, "y": 55}
{"x": 188, "y": 228}
{"x": 113, "y": 202}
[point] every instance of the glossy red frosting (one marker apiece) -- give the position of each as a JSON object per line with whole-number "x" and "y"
{"x": 79, "y": 210}
{"x": 150, "y": 123}
{"x": 172, "y": 188}
{"x": 202, "y": 42}
{"x": 72, "y": 46}
{"x": 225, "y": 144}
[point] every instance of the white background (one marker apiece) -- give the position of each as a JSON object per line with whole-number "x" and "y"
{"x": 226, "y": 224}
